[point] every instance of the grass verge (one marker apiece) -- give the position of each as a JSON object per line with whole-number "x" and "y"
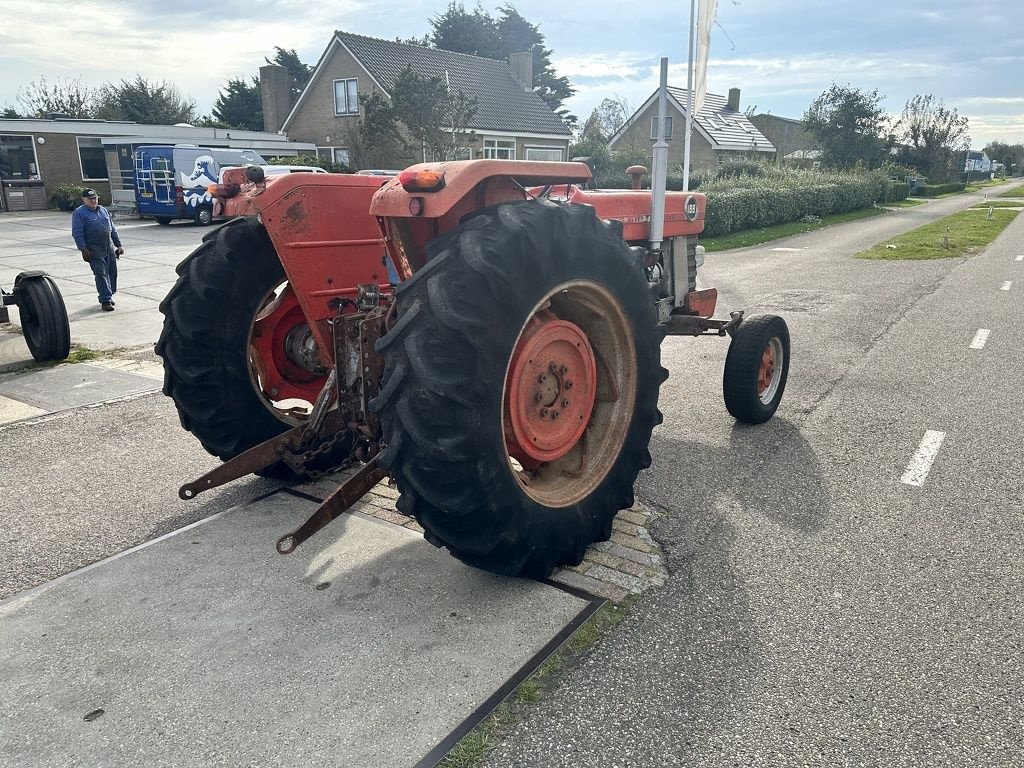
{"x": 998, "y": 204}
{"x": 910, "y": 202}
{"x": 475, "y": 745}
{"x": 962, "y": 234}
{"x": 765, "y": 234}
{"x": 1014, "y": 192}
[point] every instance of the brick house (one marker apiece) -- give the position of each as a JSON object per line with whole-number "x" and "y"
{"x": 37, "y": 155}
{"x": 791, "y": 138}
{"x": 720, "y": 131}
{"x": 511, "y": 121}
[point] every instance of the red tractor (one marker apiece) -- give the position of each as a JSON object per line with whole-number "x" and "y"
{"x": 487, "y": 333}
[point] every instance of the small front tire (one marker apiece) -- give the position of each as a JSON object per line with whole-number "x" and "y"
{"x": 163, "y": 221}
{"x": 756, "y": 369}
{"x": 44, "y": 318}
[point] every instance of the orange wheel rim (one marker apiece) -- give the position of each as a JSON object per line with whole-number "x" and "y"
{"x": 766, "y": 372}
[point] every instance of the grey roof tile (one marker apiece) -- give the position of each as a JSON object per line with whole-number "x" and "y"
{"x": 728, "y": 128}
{"x": 502, "y": 103}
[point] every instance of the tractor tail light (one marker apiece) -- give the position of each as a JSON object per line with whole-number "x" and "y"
{"x": 421, "y": 181}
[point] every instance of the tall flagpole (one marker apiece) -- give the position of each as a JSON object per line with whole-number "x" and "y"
{"x": 689, "y": 99}
{"x": 659, "y": 172}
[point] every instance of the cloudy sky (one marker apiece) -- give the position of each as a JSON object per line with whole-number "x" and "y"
{"x": 780, "y": 53}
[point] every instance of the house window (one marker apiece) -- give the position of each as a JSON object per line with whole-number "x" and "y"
{"x": 548, "y": 154}
{"x": 499, "y": 149}
{"x": 338, "y": 155}
{"x": 346, "y": 97}
{"x": 90, "y": 157}
{"x": 18, "y": 158}
{"x": 668, "y": 127}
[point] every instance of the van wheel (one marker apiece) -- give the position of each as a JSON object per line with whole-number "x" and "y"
{"x": 163, "y": 221}
{"x": 204, "y": 215}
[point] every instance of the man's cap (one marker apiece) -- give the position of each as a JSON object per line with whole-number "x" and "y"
{"x": 89, "y": 192}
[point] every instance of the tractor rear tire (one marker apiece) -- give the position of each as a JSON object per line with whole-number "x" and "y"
{"x": 756, "y": 369}
{"x": 448, "y": 389}
{"x": 163, "y": 221}
{"x": 208, "y": 317}
{"x": 44, "y": 318}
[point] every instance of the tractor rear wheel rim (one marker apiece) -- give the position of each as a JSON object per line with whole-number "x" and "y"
{"x": 769, "y": 374}
{"x": 286, "y": 388}
{"x": 575, "y": 357}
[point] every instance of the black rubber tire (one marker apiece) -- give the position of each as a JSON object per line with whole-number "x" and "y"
{"x": 203, "y": 216}
{"x": 163, "y": 221}
{"x": 205, "y": 339}
{"x": 442, "y": 393}
{"x": 44, "y": 318}
{"x": 743, "y": 362}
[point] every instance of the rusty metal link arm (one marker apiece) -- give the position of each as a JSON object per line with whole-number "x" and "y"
{"x": 336, "y": 504}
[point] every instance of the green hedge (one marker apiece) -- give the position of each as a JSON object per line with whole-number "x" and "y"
{"x": 931, "y": 190}
{"x": 771, "y": 202}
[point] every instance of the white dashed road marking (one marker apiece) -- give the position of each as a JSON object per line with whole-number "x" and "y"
{"x": 1006, "y": 285}
{"x": 787, "y": 250}
{"x": 980, "y": 338}
{"x": 921, "y": 463}
{"x": 1020, "y": 258}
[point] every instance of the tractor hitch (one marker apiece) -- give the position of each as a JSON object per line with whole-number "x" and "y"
{"x": 286, "y": 447}
{"x": 693, "y": 325}
{"x": 351, "y": 491}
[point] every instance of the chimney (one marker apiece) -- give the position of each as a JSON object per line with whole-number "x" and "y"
{"x": 275, "y": 95}
{"x": 734, "y": 99}
{"x": 521, "y": 65}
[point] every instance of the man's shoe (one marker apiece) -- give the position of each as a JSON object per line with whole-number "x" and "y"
{"x": 108, "y": 306}
{"x": 112, "y": 302}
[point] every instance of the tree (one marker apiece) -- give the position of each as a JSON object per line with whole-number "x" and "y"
{"x": 605, "y": 119}
{"x": 849, "y": 125}
{"x": 69, "y": 97}
{"x": 517, "y": 34}
{"x": 458, "y": 30}
{"x": 932, "y": 135}
{"x": 298, "y": 72}
{"x": 9, "y": 113}
{"x": 239, "y": 105}
{"x": 1010, "y": 155}
{"x": 140, "y": 101}
{"x": 480, "y": 34}
{"x": 375, "y": 141}
{"x": 435, "y": 117}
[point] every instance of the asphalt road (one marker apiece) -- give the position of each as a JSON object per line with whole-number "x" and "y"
{"x": 820, "y": 611}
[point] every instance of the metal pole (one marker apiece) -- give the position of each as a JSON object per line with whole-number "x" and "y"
{"x": 689, "y": 99}
{"x": 659, "y": 171}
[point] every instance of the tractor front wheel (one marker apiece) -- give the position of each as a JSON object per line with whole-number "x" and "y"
{"x": 521, "y": 386}
{"x": 228, "y": 322}
{"x": 756, "y": 369}
{"x": 44, "y": 318}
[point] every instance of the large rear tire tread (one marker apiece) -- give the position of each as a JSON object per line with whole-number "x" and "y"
{"x": 446, "y": 361}
{"x": 44, "y": 318}
{"x": 742, "y": 363}
{"x": 205, "y": 337}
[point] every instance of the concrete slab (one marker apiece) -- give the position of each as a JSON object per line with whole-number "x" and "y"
{"x": 69, "y": 386}
{"x": 366, "y": 647}
{"x": 15, "y": 410}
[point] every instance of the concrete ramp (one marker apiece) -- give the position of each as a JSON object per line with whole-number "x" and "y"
{"x": 366, "y": 647}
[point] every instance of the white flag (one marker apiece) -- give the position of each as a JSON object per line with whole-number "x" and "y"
{"x": 706, "y": 10}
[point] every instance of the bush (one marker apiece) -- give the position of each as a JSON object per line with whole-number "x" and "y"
{"x": 931, "y": 190}
{"x": 67, "y": 196}
{"x": 312, "y": 160}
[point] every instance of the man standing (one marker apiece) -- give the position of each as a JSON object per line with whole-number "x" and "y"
{"x": 97, "y": 239}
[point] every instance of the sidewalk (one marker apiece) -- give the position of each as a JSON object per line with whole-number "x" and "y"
{"x": 42, "y": 241}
